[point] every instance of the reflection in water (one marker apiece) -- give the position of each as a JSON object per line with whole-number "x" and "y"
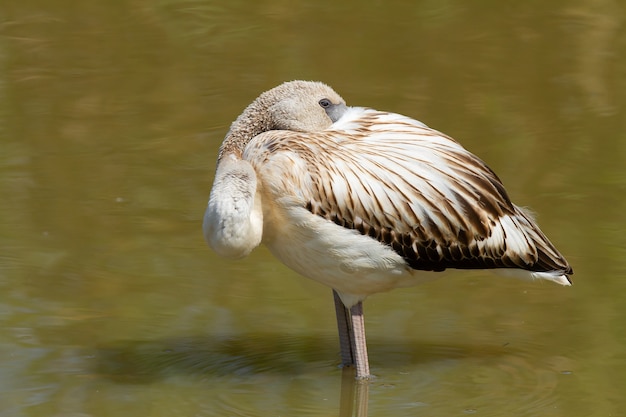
{"x": 354, "y": 394}
{"x": 148, "y": 362}
{"x": 283, "y": 354}
{"x": 205, "y": 357}
{"x": 479, "y": 375}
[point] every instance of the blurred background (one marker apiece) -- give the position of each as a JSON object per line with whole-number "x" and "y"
{"x": 111, "y": 115}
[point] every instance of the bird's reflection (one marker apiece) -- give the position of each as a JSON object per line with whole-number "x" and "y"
{"x": 253, "y": 355}
{"x": 147, "y": 361}
{"x": 354, "y": 395}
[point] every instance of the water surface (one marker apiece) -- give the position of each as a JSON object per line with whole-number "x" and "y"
{"x": 110, "y": 120}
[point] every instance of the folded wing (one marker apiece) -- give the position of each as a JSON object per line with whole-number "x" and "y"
{"x": 409, "y": 187}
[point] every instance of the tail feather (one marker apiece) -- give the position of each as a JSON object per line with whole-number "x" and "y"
{"x": 550, "y": 264}
{"x": 555, "y": 276}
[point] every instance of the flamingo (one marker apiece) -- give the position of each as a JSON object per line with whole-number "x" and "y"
{"x": 364, "y": 201}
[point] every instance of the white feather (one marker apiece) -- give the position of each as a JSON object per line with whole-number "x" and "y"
{"x": 233, "y": 221}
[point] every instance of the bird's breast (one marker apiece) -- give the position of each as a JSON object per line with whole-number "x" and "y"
{"x": 341, "y": 258}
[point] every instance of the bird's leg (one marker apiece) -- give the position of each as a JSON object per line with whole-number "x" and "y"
{"x": 352, "y": 337}
{"x": 359, "y": 343}
{"x": 343, "y": 318}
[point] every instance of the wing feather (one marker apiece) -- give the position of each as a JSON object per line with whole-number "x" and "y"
{"x": 408, "y": 186}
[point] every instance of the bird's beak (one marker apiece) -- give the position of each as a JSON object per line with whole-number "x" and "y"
{"x": 336, "y": 111}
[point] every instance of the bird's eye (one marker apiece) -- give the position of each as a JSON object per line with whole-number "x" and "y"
{"x": 325, "y": 103}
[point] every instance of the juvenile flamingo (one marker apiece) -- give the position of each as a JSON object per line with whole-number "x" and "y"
{"x": 364, "y": 201}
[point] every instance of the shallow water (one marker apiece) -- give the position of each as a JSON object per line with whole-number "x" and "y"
{"x": 112, "y": 305}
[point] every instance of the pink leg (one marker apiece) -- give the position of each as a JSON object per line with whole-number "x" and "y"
{"x": 352, "y": 337}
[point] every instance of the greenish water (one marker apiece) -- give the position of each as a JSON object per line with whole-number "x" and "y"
{"x": 110, "y": 119}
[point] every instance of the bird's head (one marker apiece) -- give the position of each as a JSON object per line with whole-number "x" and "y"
{"x": 299, "y": 106}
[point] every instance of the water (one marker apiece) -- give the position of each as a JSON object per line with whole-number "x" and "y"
{"x": 110, "y": 302}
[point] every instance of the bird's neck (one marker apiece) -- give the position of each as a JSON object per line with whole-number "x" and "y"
{"x": 253, "y": 121}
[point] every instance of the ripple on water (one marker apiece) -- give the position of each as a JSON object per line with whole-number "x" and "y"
{"x": 245, "y": 374}
{"x": 246, "y": 356}
{"x": 519, "y": 378}
{"x": 236, "y": 376}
